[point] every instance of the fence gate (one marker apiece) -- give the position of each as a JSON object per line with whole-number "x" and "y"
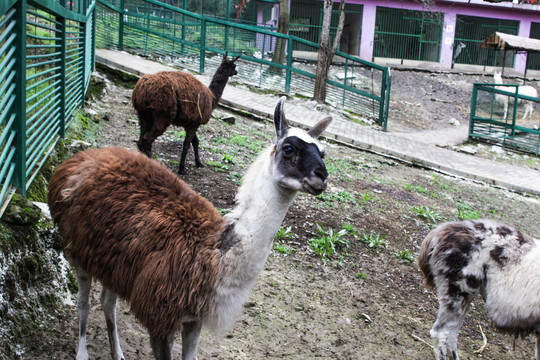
{"x": 407, "y": 34}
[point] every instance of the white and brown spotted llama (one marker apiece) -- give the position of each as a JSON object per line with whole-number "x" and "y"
{"x": 132, "y": 224}
{"x": 462, "y": 259}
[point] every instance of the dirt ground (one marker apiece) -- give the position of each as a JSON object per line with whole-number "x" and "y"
{"x": 366, "y": 301}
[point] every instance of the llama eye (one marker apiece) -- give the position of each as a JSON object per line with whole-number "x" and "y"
{"x": 288, "y": 150}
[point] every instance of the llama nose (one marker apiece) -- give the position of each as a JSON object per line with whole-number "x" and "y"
{"x": 321, "y": 172}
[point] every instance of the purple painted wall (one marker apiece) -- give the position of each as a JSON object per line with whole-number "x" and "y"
{"x": 523, "y": 13}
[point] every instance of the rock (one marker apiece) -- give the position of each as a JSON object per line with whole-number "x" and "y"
{"x": 229, "y": 119}
{"x": 79, "y": 144}
{"x": 21, "y": 211}
{"x": 468, "y": 150}
{"x": 342, "y": 76}
{"x": 454, "y": 122}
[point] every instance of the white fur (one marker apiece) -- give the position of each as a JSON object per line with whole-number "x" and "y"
{"x": 511, "y": 290}
{"x": 261, "y": 207}
{"x": 524, "y": 90}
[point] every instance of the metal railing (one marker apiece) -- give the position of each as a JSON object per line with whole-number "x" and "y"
{"x": 46, "y": 59}
{"x": 188, "y": 40}
{"x": 488, "y": 122}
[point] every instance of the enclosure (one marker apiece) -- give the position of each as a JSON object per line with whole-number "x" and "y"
{"x": 487, "y": 121}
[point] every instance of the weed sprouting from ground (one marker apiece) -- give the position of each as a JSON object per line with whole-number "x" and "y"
{"x": 427, "y": 213}
{"x": 374, "y": 239}
{"x": 326, "y": 244}
{"x": 405, "y": 256}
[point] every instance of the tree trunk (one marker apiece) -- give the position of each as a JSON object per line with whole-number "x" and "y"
{"x": 325, "y": 55}
{"x": 283, "y": 28}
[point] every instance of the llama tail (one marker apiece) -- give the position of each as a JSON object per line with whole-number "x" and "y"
{"x": 425, "y": 255}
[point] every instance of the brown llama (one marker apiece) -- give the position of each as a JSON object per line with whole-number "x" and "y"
{"x": 132, "y": 224}
{"x": 463, "y": 259}
{"x": 178, "y": 98}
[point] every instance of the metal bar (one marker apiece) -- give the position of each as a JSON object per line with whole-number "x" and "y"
{"x": 203, "y": 46}
{"x": 20, "y": 97}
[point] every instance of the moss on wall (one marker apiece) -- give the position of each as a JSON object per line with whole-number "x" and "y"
{"x": 35, "y": 278}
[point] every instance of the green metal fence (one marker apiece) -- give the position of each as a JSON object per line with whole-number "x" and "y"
{"x": 472, "y": 30}
{"x": 408, "y": 34}
{"x": 46, "y": 59}
{"x": 188, "y": 40}
{"x": 488, "y": 123}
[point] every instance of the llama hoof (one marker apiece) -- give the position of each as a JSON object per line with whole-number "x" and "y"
{"x": 200, "y": 165}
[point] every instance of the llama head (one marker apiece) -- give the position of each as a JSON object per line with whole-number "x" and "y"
{"x": 228, "y": 67}
{"x": 497, "y": 78}
{"x": 297, "y": 156}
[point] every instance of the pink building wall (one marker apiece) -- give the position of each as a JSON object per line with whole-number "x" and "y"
{"x": 525, "y": 14}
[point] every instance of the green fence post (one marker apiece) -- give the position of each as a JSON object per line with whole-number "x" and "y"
{"x": 383, "y": 100}
{"x": 20, "y": 97}
{"x": 94, "y": 27}
{"x": 120, "y": 26}
{"x": 288, "y": 74}
{"x": 227, "y": 27}
{"x": 473, "y": 111}
{"x": 62, "y": 29}
{"x": 203, "y": 46}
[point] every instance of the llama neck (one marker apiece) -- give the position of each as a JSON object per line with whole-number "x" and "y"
{"x": 217, "y": 85}
{"x": 261, "y": 207}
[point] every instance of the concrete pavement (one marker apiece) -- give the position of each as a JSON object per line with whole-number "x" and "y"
{"x": 298, "y": 114}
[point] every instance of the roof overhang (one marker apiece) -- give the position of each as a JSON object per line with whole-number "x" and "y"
{"x": 502, "y": 41}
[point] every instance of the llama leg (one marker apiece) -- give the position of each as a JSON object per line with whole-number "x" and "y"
{"x": 195, "y": 143}
{"x": 108, "y": 303}
{"x": 528, "y": 110}
{"x": 537, "y": 350}
{"x": 83, "y": 307}
{"x": 190, "y": 134}
{"x": 445, "y": 331}
{"x": 149, "y": 134}
{"x": 162, "y": 347}
{"x": 190, "y": 339}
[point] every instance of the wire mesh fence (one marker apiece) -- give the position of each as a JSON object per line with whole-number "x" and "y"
{"x": 499, "y": 114}
{"x": 188, "y": 40}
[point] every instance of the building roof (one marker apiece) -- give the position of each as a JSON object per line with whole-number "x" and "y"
{"x": 502, "y": 41}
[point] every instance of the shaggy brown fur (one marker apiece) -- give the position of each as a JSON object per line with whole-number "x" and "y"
{"x": 145, "y": 232}
{"x": 177, "y": 98}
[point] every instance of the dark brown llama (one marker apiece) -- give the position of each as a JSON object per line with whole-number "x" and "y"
{"x": 132, "y": 224}
{"x": 180, "y": 99}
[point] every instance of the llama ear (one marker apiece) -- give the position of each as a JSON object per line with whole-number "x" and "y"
{"x": 280, "y": 122}
{"x": 319, "y": 128}
{"x": 225, "y": 55}
{"x": 236, "y": 58}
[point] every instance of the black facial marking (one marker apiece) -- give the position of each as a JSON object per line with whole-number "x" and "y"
{"x": 306, "y": 157}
